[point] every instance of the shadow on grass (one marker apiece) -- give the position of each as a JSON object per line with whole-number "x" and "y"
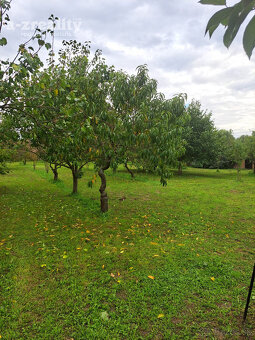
{"x": 91, "y": 205}
{"x": 142, "y": 175}
{"x": 213, "y": 174}
{"x": 4, "y": 190}
{"x": 139, "y": 175}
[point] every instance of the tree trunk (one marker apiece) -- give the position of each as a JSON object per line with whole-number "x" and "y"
{"x": 238, "y": 173}
{"x": 103, "y": 197}
{"x": 75, "y": 181}
{"x": 180, "y": 168}
{"x": 34, "y": 164}
{"x": 24, "y": 161}
{"x": 55, "y": 171}
{"x": 129, "y": 170}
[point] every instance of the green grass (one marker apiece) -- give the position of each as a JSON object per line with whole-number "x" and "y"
{"x": 63, "y": 263}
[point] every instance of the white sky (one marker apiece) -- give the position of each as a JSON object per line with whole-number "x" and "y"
{"x": 167, "y": 35}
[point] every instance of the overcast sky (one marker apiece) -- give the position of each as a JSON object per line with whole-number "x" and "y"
{"x": 167, "y": 35}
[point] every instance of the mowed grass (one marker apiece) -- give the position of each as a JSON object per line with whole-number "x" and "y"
{"x": 164, "y": 263}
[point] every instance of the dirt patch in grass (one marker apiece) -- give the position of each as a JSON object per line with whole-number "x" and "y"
{"x": 224, "y": 304}
{"x": 236, "y": 192}
{"x": 121, "y": 294}
{"x": 144, "y": 333}
{"x": 176, "y": 321}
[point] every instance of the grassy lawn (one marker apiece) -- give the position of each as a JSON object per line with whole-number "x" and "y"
{"x": 164, "y": 263}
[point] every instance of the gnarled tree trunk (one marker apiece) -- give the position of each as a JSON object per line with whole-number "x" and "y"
{"x": 75, "y": 173}
{"x": 55, "y": 172}
{"x": 103, "y": 197}
{"x": 129, "y": 170}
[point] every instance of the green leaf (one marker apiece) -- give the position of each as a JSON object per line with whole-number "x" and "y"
{"x": 239, "y": 14}
{"x": 16, "y": 67}
{"x": 41, "y": 42}
{"x": 249, "y": 37}
{"x": 3, "y": 41}
{"x": 213, "y": 2}
{"x": 48, "y": 46}
{"x": 220, "y": 17}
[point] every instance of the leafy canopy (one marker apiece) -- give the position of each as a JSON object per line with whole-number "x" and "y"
{"x": 199, "y": 135}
